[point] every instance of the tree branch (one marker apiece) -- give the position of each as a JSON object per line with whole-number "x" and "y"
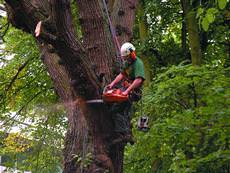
{"x": 21, "y": 109}
{"x": 4, "y": 25}
{"x": 16, "y": 75}
{"x": 7, "y": 25}
{"x": 72, "y": 52}
{"x": 25, "y": 15}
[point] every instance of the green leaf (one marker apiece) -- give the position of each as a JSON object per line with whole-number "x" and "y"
{"x": 210, "y": 14}
{"x": 212, "y": 10}
{"x": 210, "y": 17}
{"x": 199, "y": 12}
{"x": 205, "y": 24}
{"x": 222, "y": 4}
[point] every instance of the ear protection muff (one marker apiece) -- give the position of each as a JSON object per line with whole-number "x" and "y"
{"x": 132, "y": 54}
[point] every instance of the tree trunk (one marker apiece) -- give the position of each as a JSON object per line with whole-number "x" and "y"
{"x": 143, "y": 36}
{"x": 79, "y": 70}
{"x": 184, "y": 37}
{"x": 123, "y": 17}
{"x": 193, "y": 32}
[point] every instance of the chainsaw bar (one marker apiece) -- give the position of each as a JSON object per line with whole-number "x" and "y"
{"x": 95, "y": 101}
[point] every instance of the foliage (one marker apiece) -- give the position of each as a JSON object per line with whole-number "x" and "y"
{"x": 163, "y": 23}
{"x": 15, "y": 143}
{"x": 84, "y": 162}
{"x": 208, "y": 11}
{"x": 163, "y": 45}
{"x": 188, "y": 108}
{"x": 29, "y": 105}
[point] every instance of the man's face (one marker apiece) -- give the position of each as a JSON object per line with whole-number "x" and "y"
{"x": 125, "y": 58}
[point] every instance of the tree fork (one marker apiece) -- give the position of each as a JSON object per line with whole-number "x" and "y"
{"x": 78, "y": 141}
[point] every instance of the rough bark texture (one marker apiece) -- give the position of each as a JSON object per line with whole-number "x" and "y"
{"x": 123, "y": 17}
{"x": 79, "y": 70}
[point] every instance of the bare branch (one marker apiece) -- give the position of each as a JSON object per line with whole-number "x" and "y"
{"x": 17, "y": 74}
{"x": 21, "y": 109}
{"x": 7, "y": 25}
{"x": 3, "y": 26}
{"x": 72, "y": 51}
{"x": 23, "y": 123}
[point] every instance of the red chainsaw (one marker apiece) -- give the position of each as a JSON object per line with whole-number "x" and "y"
{"x": 114, "y": 95}
{"x": 110, "y": 96}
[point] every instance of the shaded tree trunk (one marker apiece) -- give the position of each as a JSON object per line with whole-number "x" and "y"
{"x": 143, "y": 31}
{"x": 184, "y": 37}
{"x": 193, "y": 32}
{"x": 79, "y": 70}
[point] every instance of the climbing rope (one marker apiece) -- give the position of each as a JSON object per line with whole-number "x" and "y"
{"x": 115, "y": 39}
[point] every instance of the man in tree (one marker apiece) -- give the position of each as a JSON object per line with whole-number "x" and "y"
{"x": 132, "y": 77}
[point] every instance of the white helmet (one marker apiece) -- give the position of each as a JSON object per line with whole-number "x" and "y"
{"x": 126, "y": 49}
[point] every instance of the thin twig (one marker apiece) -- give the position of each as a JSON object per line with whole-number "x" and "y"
{"x": 16, "y": 75}
{"x": 5, "y": 31}
{"x": 21, "y": 109}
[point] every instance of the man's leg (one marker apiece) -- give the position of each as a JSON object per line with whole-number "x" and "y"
{"x": 121, "y": 117}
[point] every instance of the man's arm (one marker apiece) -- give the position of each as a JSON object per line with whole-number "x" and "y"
{"x": 116, "y": 80}
{"x": 136, "y": 83}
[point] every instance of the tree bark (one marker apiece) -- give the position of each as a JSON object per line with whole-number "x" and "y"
{"x": 79, "y": 70}
{"x": 123, "y": 17}
{"x": 193, "y": 32}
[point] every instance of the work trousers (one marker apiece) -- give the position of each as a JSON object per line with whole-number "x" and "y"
{"x": 121, "y": 115}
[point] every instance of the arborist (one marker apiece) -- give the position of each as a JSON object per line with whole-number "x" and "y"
{"x": 131, "y": 79}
